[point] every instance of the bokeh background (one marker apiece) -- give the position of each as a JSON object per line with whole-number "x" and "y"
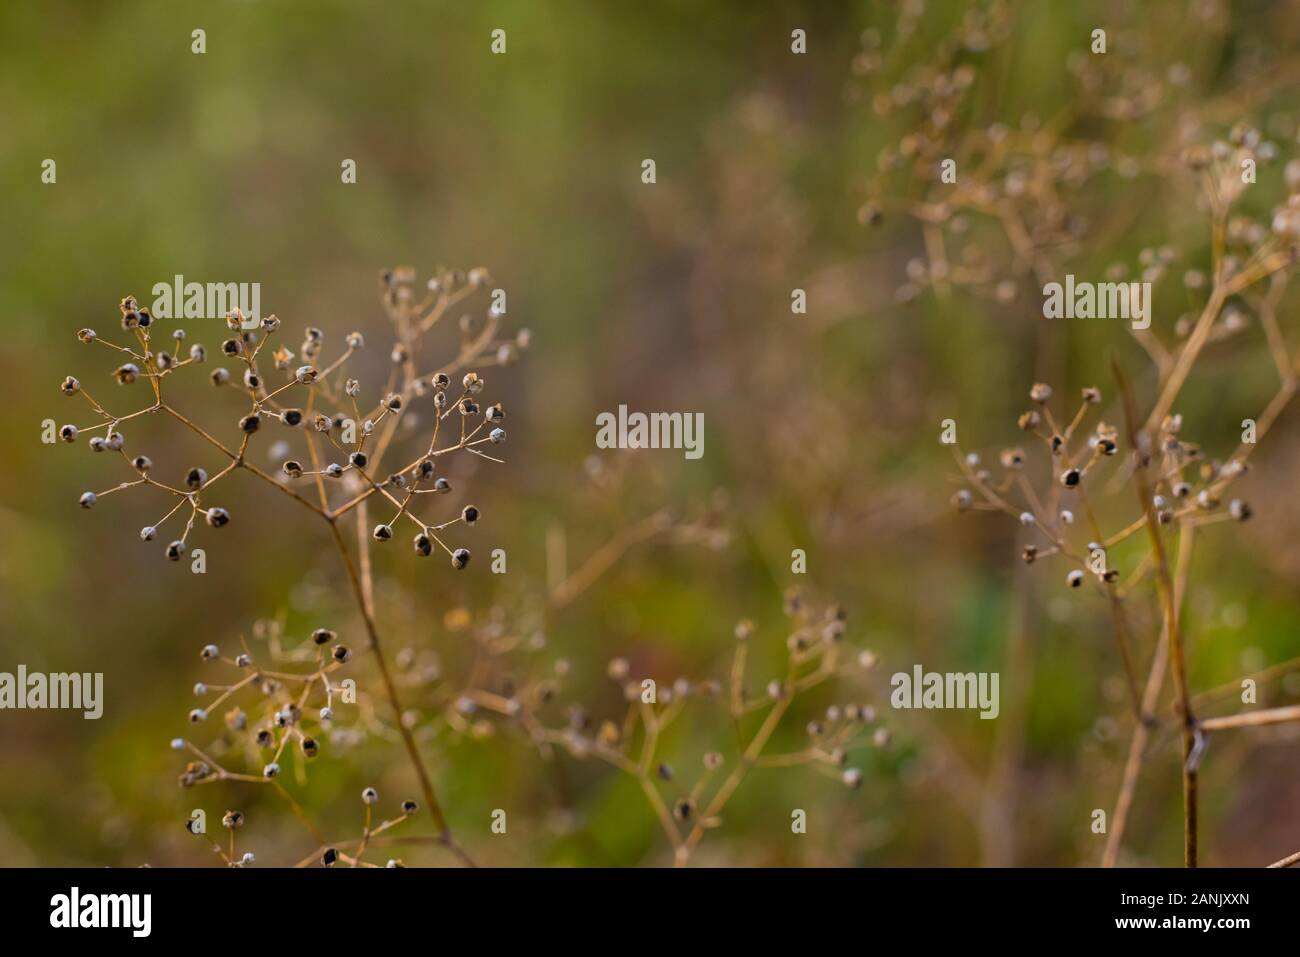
{"x": 821, "y": 429}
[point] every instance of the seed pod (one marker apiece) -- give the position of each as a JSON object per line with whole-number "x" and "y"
{"x": 460, "y": 558}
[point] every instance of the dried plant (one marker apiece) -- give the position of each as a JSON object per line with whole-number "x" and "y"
{"x": 1179, "y": 488}
{"x": 344, "y": 450}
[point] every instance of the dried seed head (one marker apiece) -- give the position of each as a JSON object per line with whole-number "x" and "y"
{"x": 292, "y": 469}
{"x": 460, "y": 558}
{"x": 1040, "y": 392}
{"x": 1070, "y": 477}
{"x": 1029, "y": 420}
{"x": 1013, "y": 458}
{"x": 88, "y": 499}
{"x": 1239, "y": 510}
{"x": 341, "y": 653}
{"x": 423, "y": 544}
{"x": 209, "y": 652}
{"x": 68, "y": 433}
{"x": 196, "y": 478}
{"x": 250, "y": 423}
{"x": 469, "y": 514}
{"x": 322, "y": 636}
{"x": 382, "y": 533}
{"x": 1075, "y": 578}
{"x": 126, "y": 373}
{"x": 175, "y": 550}
{"x": 218, "y": 517}
{"x": 232, "y": 820}
{"x": 1091, "y": 394}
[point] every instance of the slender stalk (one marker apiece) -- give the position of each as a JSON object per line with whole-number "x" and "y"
{"x": 390, "y": 688}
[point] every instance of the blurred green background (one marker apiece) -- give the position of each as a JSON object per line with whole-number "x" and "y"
{"x": 820, "y": 429}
